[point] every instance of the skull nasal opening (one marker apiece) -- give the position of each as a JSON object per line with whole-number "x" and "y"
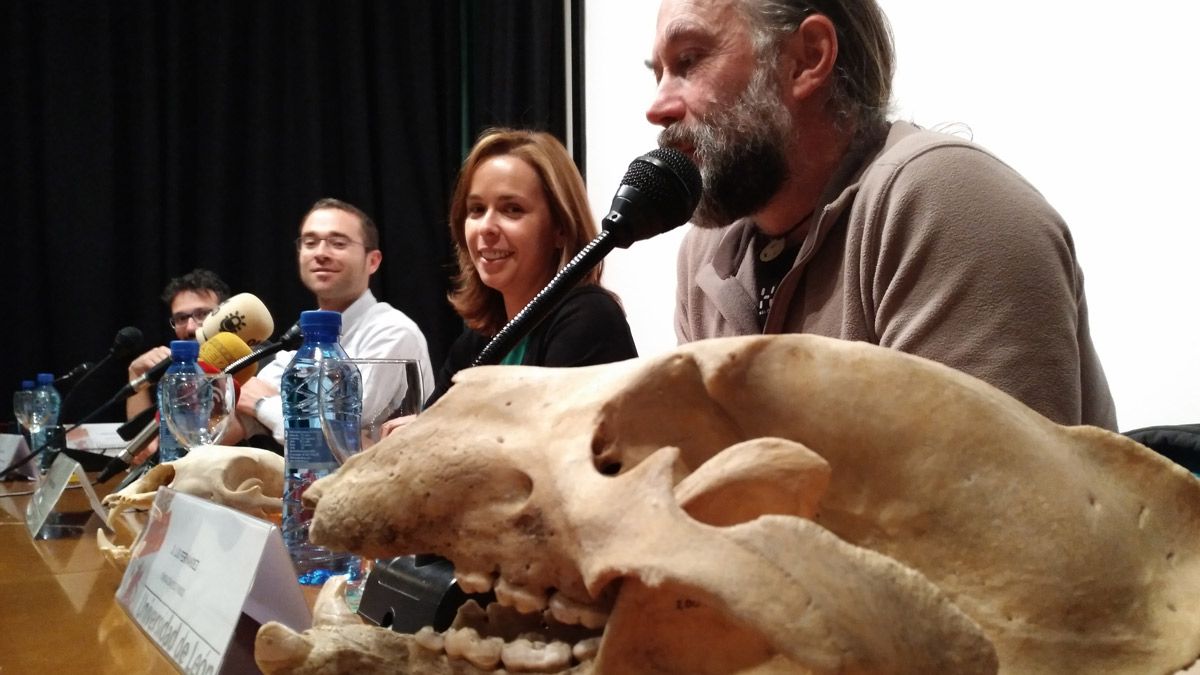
{"x": 605, "y": 456}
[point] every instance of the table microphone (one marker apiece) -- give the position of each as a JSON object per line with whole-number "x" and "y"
{"x": 291, "y": 339}
{"x": 125, "y": 345}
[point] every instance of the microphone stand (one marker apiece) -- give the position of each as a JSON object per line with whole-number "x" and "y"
{"x": 83, "y": 371}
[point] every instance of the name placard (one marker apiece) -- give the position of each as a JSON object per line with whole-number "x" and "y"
{"x": 196, "y": 568}
{"x": 63, "y": 472}
{"x": 13, "y": 449}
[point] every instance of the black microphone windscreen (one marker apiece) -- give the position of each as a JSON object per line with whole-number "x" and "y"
{"x": 659, "y": 192}
{"x": 127, "y": 342}
{"x": 292, "y": 338}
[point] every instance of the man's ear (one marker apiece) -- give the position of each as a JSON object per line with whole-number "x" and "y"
{"x": 373, "y": 259}
{"x": 810, "y": 53}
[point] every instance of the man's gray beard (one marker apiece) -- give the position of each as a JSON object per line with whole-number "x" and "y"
{"x": 742, "y": 151}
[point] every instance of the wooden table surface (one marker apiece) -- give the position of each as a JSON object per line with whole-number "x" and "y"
{"x": 57, "y": 611}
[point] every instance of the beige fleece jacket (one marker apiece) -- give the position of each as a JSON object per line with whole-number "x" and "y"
{"x": 931, "y": 246}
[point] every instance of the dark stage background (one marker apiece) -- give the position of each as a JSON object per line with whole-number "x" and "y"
{"x": 142, "y": 138}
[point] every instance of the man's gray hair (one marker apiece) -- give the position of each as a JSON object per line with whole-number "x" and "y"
{"x": 862, "y": 84}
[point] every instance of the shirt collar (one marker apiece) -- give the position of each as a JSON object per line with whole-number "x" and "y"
{"x": 357, "y": 310}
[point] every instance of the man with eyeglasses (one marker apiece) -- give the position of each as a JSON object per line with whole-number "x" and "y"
{"x": 338, "y": 251}
{"x": 191, "y": 298}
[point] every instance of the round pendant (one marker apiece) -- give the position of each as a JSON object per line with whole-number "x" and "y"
{"x": 772, "y": 250}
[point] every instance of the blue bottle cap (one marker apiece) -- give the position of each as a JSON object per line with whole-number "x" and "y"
{"x": 45, "y": 378}
{"x": 27, "y": 384}
{"x": 320, "y": 324}
{"x": 184, "y": 350}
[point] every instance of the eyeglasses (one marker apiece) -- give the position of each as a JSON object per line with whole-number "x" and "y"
{"x": 197, "y": 315}
{"x": 337, "y": 242}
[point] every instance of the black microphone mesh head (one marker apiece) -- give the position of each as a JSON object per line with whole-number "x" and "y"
{"x": 659, "y": 192}
{"x": 683, "y": 168}
{"x": 127, "y": 341}
{"x": 667, "y": 177}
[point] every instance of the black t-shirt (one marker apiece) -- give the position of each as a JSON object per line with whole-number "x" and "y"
{"x": 588, "y": 328}
{"x": 773, "y": 257}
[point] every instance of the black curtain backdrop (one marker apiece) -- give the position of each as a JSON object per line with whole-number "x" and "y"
{"x": 142, "y": 138}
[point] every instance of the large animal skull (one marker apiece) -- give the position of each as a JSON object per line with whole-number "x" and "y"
{"x": 1074, "y": 549}
{"x": 247, "y": 479}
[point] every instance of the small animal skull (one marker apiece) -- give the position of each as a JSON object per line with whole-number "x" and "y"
{"x": 247, "y": 479}
{"x": 682, "y": 499}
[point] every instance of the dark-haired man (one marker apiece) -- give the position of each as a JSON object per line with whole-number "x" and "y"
{"x": 190, "y": 298}
{"x": 821, "y": 216}
{"x": 338, "y": 251}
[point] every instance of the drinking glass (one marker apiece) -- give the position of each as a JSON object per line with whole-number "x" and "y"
{"x": 23, "y": 404}
{"x": 197, "y": 406}
{"x": 408, "y": 396}
{"x": 400, "y": 377}
{"x": 22, "y": 407}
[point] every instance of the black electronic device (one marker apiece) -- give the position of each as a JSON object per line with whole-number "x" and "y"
{"x": 410, "y": 592}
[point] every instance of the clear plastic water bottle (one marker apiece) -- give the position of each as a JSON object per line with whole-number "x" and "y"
{"x": 183, "y": 360}
{"x": 47, "y": 406}
{"x": 322, "y": 400}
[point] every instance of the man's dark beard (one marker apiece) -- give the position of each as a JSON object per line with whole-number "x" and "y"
{"x": 740, "y": 182}
{"x": 742, "y": 153}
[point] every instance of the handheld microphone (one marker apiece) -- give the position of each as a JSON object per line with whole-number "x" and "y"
{"x": 224, "y": 349}
{"x": 121, "y": 462}
{"x": 152, "y": 375}
{"x": 659, "y": 192}
{"x": 244, "y": 315}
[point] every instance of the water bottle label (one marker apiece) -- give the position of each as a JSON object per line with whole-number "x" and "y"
{"x": 306, "y": 447}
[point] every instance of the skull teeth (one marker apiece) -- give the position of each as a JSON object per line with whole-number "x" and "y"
{"x": 473, "y": 582}
{"x": 430, "y": 639}
{"x": 529, "y": 656}
{"x": 522, "y": 655}
{"x": 519, "y": 656}
{"x": 530, "y": 644}
{"x": 519, "y": 598}
{"x": 466, "y": 644}
{"x": 586, "y": 649}
{"x": 574, "y": 613}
